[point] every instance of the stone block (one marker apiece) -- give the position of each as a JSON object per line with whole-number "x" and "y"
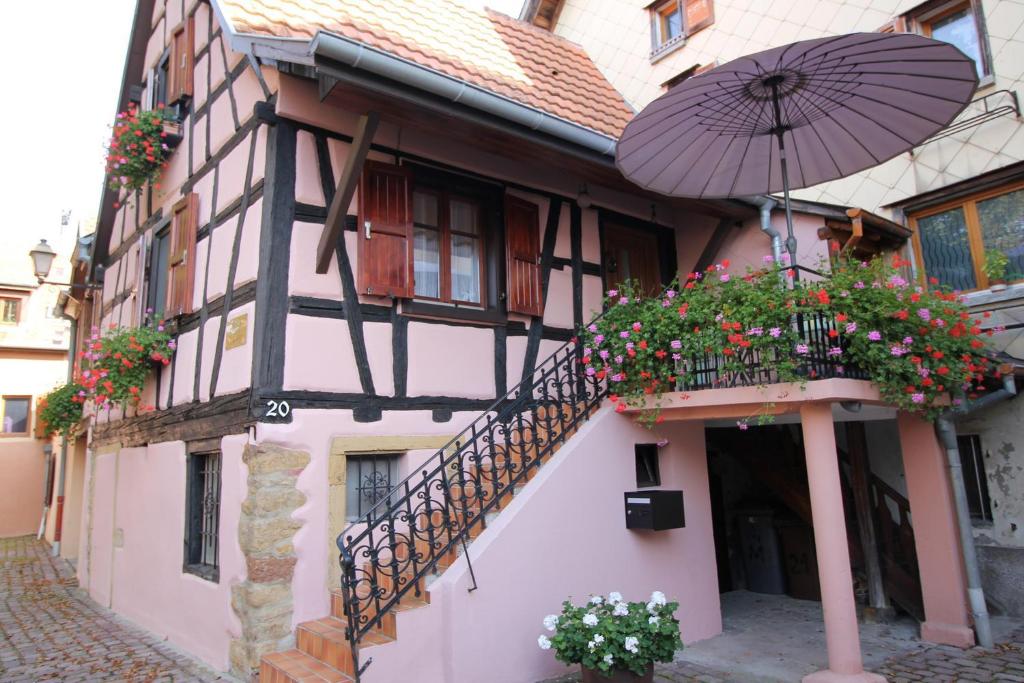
{"x": 264, "y": 458}
{"x": 270, "y": 569}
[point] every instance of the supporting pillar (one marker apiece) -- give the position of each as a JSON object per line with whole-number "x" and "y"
{"x": 943, "y": 584}
{"x": 830, "y": 539}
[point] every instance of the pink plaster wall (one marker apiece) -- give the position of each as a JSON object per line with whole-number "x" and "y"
{"x": 22, "y": 476}
{"x": 563, "y": 536}
{"x": 135, "y": 558}
{"x": 745, "y": 247}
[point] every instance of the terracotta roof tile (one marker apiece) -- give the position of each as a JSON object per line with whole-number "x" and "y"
{"x": 485, "y": 48}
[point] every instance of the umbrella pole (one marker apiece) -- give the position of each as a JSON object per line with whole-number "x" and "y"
{"x": 779, "y": 132}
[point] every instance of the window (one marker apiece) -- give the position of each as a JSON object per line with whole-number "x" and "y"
{"x": 951, "y": 240}
{"x": 158, "y": 82}
{"x": 648, "y": 472}
{"x": 430, "y": 237}
{"x": 156, "y": 295}
{"x": 10, "y": 311}
{"x": 976, "y": 485}
{"x": 16, "y": 415}
{"x": 674, "y": 20}
{"x": 181, "y": 257}
{"x": 447, "y": 247}
{"x": 181, "y": 62}
{"x": 958, "y": 25}
{"x": 369, "y": 478}
{"x": 202, "y": 515}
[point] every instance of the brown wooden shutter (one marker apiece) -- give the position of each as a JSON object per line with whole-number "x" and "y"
{"x": 384, "y": 233}
{"x": 181, "y": 262}
{"x": 42, "y": 429}
{"x": 182, "y": 62}
{"x": 697, "y": 14}
{"x": 522, "y": 248}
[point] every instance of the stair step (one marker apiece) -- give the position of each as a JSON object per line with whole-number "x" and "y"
{"x": 409, "y": 601}
{"x": 295, "y": 666}
{"x": 324, "y": 639}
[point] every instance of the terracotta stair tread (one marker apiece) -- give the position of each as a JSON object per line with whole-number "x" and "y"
{"x": 295, "y": 666}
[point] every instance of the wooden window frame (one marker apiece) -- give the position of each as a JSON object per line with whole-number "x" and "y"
{"x": 193, "y": 560}
{"x": 921, "y": 20}
{"x": 974, "y": 237}
{"x": 444, "y": 229}
{"x": 28, "y": 417}
{"x": 17, "y": 309}
{"x": 660, "y": 11}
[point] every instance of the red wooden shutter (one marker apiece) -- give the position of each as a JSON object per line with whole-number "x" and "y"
{"x": 697, "y": 14}
{"x": 385, "y": 231}
{"x": 182, "y": 62}
{"x": 522, "y": 248}
{"x": 181, "y": 262}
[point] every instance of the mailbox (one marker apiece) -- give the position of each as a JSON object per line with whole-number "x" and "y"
{"x": 655, "y": 510}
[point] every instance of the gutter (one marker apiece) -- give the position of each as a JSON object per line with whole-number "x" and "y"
{"x": 946, "y": 430}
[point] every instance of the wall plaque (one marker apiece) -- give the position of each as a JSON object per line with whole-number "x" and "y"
{"x": 237, "y": 330}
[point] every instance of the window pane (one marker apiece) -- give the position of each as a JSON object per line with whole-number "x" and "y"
{"x": 674, "y": 24}
{"x": 158, "y": 274}
{"x": 427, "y": 262}
{"x": 464, "y": 217}
{"x": 1002, "y": 228}
{"x": 15, "y": 415}
{"x": 946, "y": 252}
{"x": 368, "y": 480}
{"x": 958, "y": 29}
{"x": 9, "y": 310}
{"x": 424, "y": 208}
{"x": 465, "y": 268}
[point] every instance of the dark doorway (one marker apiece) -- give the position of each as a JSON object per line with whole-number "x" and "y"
{"x": 631, "y": 254}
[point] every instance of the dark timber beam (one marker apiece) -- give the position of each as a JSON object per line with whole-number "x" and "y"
{"x": 346, "y": 188}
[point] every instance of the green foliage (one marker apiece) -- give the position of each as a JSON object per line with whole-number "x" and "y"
{"x": 918, "y": 346}
{"x": 116, "y": 364}
{"x": 610, "y": 634}
{"x": 996, "y": 264}
{"x": 137, "y": 151}
{"x": 61, "y": 409}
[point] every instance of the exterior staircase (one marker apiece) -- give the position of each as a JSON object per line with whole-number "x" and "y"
{"x": 427, "y": 522}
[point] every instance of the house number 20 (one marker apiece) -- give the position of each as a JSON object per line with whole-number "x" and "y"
{"x": 278, "y": 409}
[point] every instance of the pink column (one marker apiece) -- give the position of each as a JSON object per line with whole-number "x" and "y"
{"x": 837, "y": 601}
{"x": 943, "y": 585}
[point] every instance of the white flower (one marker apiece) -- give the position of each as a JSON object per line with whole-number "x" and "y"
{"x": 590, "y": 619}
{"x": 653, "y": 619}
{"x": 550, "y": 622}
{"x": 614, "y": 597}
{"x": 621, "y": 610}
{"x": 544, "y": 643}
{"x": 591, "y": 645}
{"x": 658, "y": 598}
{"x": 632, "y": 644}
{"x": 608, "y": 659}
{"x": 598, "y": 638}
{"x": 596, "y": 600}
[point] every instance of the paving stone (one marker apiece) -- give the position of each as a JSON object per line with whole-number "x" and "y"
{"x": 50, "y": 630}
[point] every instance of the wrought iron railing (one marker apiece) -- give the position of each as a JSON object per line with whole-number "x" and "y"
{"x": 388, "y": 554}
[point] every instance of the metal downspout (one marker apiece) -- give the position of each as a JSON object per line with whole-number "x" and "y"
{"x": 947, "y": 434}
{"x": 59, "y": 522}
{"x": 766, "y": 204}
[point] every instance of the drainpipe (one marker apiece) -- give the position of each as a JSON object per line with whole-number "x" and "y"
{"x": 947, "y": 434}
{"x": 59, "y": 522}
{"x": 766, "y": 204}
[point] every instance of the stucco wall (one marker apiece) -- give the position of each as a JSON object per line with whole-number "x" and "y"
{"x": 564, "y": 537}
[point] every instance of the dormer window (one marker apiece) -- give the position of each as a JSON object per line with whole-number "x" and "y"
{"x": 672, "y": 21}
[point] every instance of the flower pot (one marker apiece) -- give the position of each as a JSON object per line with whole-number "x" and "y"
{"x": 617, "y": 676}
{"x": 997, "y": 285}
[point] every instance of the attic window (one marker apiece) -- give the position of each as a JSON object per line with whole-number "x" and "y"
{"x": 673, "y": 21}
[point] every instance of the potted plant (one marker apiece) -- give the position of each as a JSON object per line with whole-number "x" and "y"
{"x": 141, "y": 143}
{"x": 61, "y": 409}
{"x": 996, "y": 263}
{"x": 612, "y": 640}
{"x": 118, "y": 362}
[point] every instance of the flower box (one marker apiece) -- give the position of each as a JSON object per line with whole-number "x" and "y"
{"x": 173, "y": 133}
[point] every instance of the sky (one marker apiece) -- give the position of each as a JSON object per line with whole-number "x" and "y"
{"x": 61, "y": 84}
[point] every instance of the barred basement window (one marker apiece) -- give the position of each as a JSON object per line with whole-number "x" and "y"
{"x": 202, "y": 516}
{"x": 368, "y": 480}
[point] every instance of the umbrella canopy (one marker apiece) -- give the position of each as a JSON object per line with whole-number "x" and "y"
{"x": 835, "y": 105}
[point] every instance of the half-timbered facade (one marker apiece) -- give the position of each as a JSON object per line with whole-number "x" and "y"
{"x": 382, "y": 221}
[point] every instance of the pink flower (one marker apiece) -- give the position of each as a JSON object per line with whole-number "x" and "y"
{"x": 775, "y": 332}
{"x": 676, "y": 344}
{"x": 612, "y": 293}
{"x": 636, "y": 327}
{"x": 742, "y": 424}
{"x": 917, "y": 398}
{"x": 724, "y": 277}
{"x": 851, "y": 328}
{"x": 801, "y": 349}
{"x": 875, "y": 335}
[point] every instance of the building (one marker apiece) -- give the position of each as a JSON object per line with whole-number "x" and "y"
{"x": 374, "y": 243}
{"x": 962, "y": 192}
{"x": 33, "y": 360}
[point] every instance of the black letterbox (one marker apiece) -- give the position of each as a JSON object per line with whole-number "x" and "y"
{"x": 656, "y": 510}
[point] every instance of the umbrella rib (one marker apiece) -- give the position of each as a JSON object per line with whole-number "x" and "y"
{"x": 714, "y": 170}
{"x": 825, "y": 146}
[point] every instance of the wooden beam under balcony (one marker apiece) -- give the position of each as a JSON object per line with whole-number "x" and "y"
{"x": 365, "y": 130}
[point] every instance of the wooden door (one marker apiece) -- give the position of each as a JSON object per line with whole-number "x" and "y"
{"x": 631, "y": 254}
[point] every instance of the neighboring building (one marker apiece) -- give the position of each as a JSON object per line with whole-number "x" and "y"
{"x": 382, "y": 219}
{"x": 33, "y": 360}
{"x": 961, "y": 193}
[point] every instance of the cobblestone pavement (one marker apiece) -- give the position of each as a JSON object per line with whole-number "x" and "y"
{"x": 50, "y": 630}
{"x": 930, "y": 664}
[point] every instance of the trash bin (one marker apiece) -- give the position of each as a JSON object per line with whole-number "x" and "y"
{"x": 762, "y": 557}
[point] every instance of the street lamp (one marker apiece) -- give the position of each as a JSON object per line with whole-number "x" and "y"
{"x": 42, "y": 259}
